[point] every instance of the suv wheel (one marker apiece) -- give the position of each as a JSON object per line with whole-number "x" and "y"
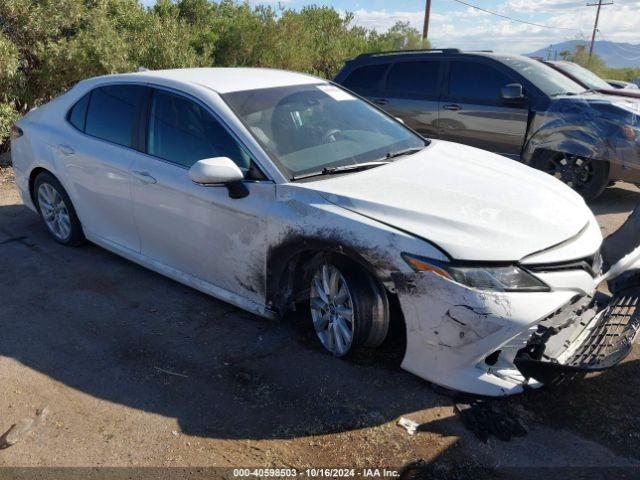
{"x": 587, "y": 177}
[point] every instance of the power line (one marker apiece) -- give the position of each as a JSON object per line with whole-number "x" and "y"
{"x": 515, "y": 19}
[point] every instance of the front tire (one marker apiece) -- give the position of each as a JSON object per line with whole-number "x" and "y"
{"x": 587, "y": 177}
{"x": 56, "y": 210}
{"x": 349, "y": 308}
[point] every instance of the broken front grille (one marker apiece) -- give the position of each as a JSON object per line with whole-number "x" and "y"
{"x": 602, "y": 346}
{"x": 610, "y": 341}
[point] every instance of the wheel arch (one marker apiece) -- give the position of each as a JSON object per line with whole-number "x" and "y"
{"x": 32, "y": 180}
{"x": 561, "y": 137}
{"x": 290, "y": 264}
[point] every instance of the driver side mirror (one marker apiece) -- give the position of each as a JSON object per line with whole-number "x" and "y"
{"x": 220, "y": 171}
{"x": 215, "y": 171}
{"x": 512, "y": 93}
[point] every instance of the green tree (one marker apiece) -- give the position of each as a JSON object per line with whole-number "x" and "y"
{"x": 46, "y": 46}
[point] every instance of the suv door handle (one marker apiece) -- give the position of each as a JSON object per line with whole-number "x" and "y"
{"x": 453, "y": 107}
{"x": 66, "y": 149}
{"x": 381, "y": 101}
{"x": 144, "y": 177}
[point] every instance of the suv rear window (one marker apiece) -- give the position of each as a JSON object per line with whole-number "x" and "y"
{"x": 476, "y": 81}
{"x": 414, "y": 77}
{"x": 113, "y": 112}
{"x": 365, "y": 79}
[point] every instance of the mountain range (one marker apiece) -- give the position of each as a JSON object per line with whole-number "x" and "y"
{"x": 614, "y": 54}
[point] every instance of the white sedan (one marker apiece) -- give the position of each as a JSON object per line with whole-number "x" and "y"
{"x": 270, "y": 189}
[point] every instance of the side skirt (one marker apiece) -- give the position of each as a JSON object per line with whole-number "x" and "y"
{"x": 184, "y": 278}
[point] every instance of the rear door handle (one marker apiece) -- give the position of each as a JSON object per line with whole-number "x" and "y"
{"x": 453, "y": 107}
{"x": 144, "y": 177}
{"x": 381, "y": 101}
{"x": 66, "y": 149}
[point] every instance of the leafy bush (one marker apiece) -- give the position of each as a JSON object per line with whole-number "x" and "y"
{"x": 46, "y": 46}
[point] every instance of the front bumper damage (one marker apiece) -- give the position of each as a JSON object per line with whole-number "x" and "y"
{"x": 500, "y": 343}
{"x": 556, "y": 352}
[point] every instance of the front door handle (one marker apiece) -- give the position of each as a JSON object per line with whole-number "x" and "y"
{"x": 381, "y": 101}
{"x": 453, "y": 107}
{"x": 66, "y": 149}
{"x": 144, "y": 177}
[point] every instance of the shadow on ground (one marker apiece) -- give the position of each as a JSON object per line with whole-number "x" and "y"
{"x": 616, "y": 200}
{"x": 116, "y": 331}
{"x": 119, "y": 332}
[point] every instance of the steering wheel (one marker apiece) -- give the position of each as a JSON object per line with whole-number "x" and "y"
{"x": 330, "y": 136}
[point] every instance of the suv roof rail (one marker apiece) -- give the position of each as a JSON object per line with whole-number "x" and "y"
{"x": 420, "y": 50}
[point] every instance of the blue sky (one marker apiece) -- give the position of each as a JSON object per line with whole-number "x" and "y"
{"x": 456, "y": 25}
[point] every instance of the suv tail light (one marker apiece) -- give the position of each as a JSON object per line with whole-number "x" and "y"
{"x": 16, "y": 132}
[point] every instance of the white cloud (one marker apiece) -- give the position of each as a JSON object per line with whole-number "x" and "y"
{"x": 382, "y": 20}
{"x": 474, "y": 30}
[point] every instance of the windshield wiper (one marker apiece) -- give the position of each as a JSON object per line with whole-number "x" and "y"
{"x": 408, "y": 151}
{"x": 343, "y": 168}
{"x": 353, "y": 168}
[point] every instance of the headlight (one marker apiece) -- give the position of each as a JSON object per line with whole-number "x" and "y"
{"x": 631, "y": 133}
{"x": 510, "y": 278}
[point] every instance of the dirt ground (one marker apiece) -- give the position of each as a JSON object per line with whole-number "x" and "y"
{"x": 137, "y": 370}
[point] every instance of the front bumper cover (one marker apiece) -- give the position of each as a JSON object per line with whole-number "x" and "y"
{"x": 500, "y": 343}
{"x": 603, "y": 343}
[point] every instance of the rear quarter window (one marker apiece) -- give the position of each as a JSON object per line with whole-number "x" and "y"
{"x": 365, "y": 79}
{"x": 78, "y": 112}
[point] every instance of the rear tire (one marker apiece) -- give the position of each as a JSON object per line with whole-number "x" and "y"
{"x": 349, "y": 308}
{"x": 587, "y": 177}
{"x": 56, "y": 210}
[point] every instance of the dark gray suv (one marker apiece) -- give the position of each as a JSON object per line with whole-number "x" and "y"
{"x": 508, "y": 104}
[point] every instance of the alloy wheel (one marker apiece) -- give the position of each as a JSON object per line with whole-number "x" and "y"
{"x": 54, "y": 211}
{"x": 576, "y": 172}
{"x": 332, "y": 310}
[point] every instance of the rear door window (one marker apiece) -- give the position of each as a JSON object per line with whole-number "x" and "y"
{"x": 414, "y": 78}
{"x": 183, "y": 132}
{"x": 365, "y": 79}
{"x": 113, "y": 113}
{"x": 476, "y": 82}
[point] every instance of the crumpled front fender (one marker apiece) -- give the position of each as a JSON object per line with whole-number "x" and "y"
{"x": 595, "y": 130}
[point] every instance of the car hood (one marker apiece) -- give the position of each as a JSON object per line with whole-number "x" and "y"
{"x": 473, "y": 204}
{"x": 598, "y": 103}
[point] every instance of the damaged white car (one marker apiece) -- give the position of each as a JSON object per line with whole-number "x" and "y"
{"x": 268, "y": 189}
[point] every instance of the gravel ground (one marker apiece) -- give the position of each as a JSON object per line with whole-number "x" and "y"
{"x": 137, "y": 370}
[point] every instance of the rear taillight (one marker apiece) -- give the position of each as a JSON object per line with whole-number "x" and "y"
{"x": 16, "y": 132}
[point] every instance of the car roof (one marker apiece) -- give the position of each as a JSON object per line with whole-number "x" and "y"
{"x": 385, "y": 57}
{"x": 222, "y": 80}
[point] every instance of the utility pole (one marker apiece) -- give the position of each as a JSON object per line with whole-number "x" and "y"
{"x": 427, "y": 13}
{"x": 595, "y": 25}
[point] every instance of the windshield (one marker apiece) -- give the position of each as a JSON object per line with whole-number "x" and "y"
{"x": 310, "y": 128}
{"x": 546, "y": 78}
{"x": 590, "y": 79}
